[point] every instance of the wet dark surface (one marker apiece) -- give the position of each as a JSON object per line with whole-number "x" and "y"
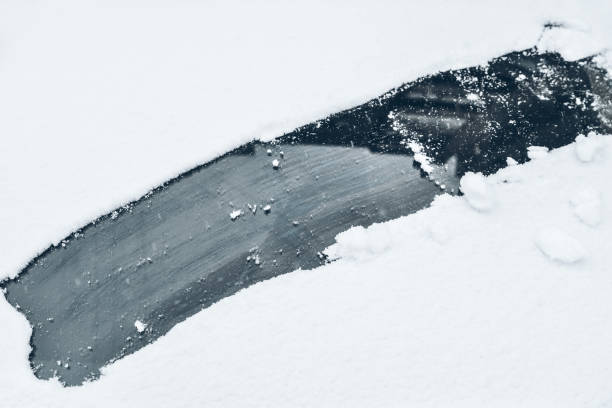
{"x": 208, "y": 233}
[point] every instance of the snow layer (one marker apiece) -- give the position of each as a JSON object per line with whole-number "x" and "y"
{"x": 447, "y": 307}
{"x": 101, "y": 101}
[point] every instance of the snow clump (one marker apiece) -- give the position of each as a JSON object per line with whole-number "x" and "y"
{"x": 478, "y": 192}
{"x": 559, "y": 246}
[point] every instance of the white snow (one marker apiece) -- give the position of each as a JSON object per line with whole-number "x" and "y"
{"x": 587, "y": 148}
{"x": 572, "y": 42}
{"x": 587, "y": 206}
{"x": 445, "y": 307}
{"x": 140, "y": 326}
{"x": 235, "y": 214}
{"x": 101, "y": 102}
{"x": 559, "y": 246}
{"x": 478, "y": 192}
{"x": 275, "y": 163}
{"x": 537, "y": 152}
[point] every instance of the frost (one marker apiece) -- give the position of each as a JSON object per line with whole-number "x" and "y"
{"x": 477, "y": 192}
{"x": 559, "y": 246}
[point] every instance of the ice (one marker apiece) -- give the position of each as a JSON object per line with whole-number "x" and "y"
{"x": 587, "y": 206}
{"x": 477, "y": 192}
{"x": 559, "y": 246}
{"x": 588, "y": 148}
{"x": 140, "y": 326}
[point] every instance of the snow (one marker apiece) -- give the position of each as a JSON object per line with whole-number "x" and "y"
{"x": 572, "y": 42}
{"x": 235, "y": 214}
{"x": 587, "y": 206}
{"x": 537, "y": 152}
{"x": 452, "y": 306}
{"x": 587, "y": 147}
{"x": 140, "y": 326}
{"x": 559, "y": 246}
{"x": 101, "y": 102}
{"x": 275, "y": 163}
{"x": 477, "y": 191}
{"x": 446, "y": 307}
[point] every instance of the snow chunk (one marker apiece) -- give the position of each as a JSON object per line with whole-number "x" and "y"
{"x": 587, "y": 148}
{"x": 275, "y": 164}
{"x": 140, "y": 326}
{"x": 587, "y": 207}
{"x": 235, "y": 214}
{"x": 360, "y": 243}
{"x": 537, "y": 152}
{"x": 267, "y": 209}
{"x": 477, "y": 192}
{"x": 559, "y": 246}
{"x": 510, "y": 161}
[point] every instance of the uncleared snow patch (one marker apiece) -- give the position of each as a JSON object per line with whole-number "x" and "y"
{"x": 559, "y": 246}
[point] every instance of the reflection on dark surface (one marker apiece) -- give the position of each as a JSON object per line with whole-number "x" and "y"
{"x": 267, "y": 209}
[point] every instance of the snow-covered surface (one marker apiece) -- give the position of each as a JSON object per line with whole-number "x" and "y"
{"x": 101, "y": 101}
{"x": 448, "y": 307}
